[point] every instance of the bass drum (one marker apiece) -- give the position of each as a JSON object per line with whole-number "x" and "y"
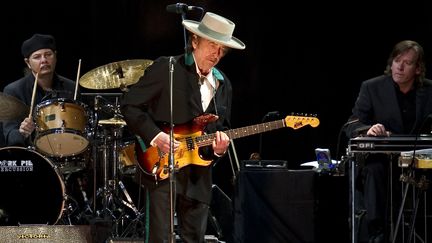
{"x": 32, "y": 190}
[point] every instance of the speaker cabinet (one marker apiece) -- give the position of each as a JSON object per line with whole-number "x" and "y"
{"x": 281, "y": 205}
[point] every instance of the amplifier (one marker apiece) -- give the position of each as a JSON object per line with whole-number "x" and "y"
{"x": 264, "y": 164}
{"x": 46, "y": 234}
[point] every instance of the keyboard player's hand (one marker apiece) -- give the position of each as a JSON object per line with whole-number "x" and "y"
{"x": 378, "y": 130}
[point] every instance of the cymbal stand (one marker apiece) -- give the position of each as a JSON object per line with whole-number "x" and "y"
{"x": 109, "y": 134}
{"x": 112, "y": 202}
{"x": 94, "y": 147}
{"x": 110, "y": 179}
{"x": 133, "y": 227}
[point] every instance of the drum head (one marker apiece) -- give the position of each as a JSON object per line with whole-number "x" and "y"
{"x": 33, "y": 191}
{"x": 64, "y": 142}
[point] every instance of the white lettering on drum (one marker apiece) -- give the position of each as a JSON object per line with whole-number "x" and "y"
{"x": 14, "y": 166}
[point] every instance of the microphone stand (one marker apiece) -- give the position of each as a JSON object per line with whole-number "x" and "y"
{"x": 183, "y": 15}
{"x": 171, "y": 168}
{"x": 267, "y": 116}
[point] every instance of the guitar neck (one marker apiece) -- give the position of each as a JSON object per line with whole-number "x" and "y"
{"x": 207, "y": 139}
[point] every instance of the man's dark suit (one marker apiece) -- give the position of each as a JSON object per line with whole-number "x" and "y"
{"x": 377, "y": 102}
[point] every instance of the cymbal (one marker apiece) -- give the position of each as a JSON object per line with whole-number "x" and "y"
{"x": 115, "y": 75}
{"x": 113, "y": 121}
{"x": 12, "y": 108}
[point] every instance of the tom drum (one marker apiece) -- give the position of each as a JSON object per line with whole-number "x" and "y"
{"x": 61, "y": 127}
{"x": 127, "y": 158}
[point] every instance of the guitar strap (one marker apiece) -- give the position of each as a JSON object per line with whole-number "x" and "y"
{"x": 141, "y": 143}
{"x": 214, "y": 102}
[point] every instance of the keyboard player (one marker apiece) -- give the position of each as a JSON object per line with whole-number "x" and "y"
{"x": 397, "y": 102}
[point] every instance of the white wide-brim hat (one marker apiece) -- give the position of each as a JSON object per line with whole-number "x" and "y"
{"x": 215, "y": 28}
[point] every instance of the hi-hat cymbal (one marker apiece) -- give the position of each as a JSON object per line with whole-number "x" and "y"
{"x": 113, "y": 121}
{"x": 115, "y": 75}
{"x": 12, "y": 108}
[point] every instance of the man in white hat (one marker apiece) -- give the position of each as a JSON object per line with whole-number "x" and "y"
{"x": 198, "y": 88}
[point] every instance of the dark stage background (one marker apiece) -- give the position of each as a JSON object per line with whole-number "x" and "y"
{"x": 305, "y": 58}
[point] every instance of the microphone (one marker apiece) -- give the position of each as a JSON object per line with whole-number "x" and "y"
{"x": 181, "y": 8}
{"x": 172, "y": 61}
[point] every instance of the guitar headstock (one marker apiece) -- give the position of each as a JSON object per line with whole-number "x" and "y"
{"x": 297, "y": 122}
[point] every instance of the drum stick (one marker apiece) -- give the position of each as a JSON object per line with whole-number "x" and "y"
{"x": 77, "y": 79}
{"x": 33, "y": 95}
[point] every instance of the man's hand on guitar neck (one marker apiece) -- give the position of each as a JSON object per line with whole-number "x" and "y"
{"x": 220, "y": 143}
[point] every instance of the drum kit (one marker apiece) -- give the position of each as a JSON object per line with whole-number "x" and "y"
{"x": 73, "y": 172}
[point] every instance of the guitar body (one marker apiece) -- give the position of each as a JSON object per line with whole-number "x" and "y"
{"x": 156, "y": 163}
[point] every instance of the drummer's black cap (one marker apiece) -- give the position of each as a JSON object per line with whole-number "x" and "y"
{"x": 37, "y": 42}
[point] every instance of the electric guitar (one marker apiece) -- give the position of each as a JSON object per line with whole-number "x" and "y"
{"x": 155, "y": 163}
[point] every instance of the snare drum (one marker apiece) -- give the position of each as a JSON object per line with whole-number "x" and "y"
{"x": 32, "y": 190}
{"x": 71, "y": 164}
{"x": 61, "y": 127}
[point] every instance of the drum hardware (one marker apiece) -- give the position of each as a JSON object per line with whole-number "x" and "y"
{"x": 116, "y": 201}
{"x": 132, "y": 229}
{"x": 112, "y": 201}
{"x": 78, "y": 207}
{"x": 102, "y": 104}
{"x": 71, "y": 207}
{"x": 70, "y": 164}
{"x": 129, "y": 202}
{"x": 84, "y": 194}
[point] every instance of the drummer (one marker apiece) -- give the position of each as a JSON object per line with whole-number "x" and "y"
{"x": 40, "y": 56}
